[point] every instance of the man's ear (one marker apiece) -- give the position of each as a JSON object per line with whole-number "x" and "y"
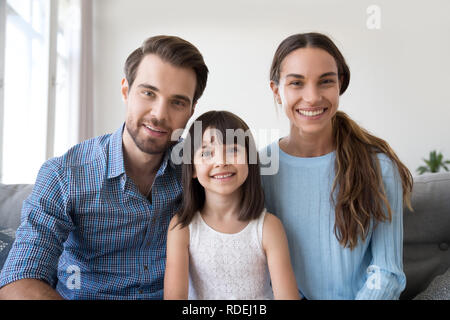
{"x": 124, "y": 90}
{"x": 276, "y": 93}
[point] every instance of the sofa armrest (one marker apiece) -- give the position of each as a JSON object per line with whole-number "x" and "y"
{"x": 439, "y": 288}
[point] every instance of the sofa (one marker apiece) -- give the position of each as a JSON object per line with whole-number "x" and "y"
{"x": 426, "y": 239}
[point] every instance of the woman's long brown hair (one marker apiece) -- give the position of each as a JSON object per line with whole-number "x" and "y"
{"x": 358, "y": 180}
{"x": 358, "y": 191}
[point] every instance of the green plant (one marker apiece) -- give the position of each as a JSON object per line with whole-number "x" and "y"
{"x": 434, "y": 163}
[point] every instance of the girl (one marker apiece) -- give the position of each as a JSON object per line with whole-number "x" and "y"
{"x": 339, "y": 190}
{"x": 224, "y": 245}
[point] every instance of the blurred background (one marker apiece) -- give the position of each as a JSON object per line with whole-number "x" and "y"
{"x": 61, "y": 65}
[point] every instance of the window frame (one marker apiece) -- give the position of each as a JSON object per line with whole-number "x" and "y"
{"x": 5, "y": 11}
{"x": 2, "y": 77}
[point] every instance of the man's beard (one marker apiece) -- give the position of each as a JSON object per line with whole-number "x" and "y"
{"x": 148, "y": 145}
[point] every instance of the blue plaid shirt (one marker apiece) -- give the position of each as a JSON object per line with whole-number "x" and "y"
{"x": 88, "y": 231}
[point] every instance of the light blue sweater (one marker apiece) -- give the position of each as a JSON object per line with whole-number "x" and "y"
{"x": 299, "y": 194}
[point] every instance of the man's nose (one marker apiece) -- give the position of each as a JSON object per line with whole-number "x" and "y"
{"x": 159, "y": 109}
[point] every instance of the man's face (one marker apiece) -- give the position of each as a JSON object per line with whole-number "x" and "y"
{"x": 159, "y": 102}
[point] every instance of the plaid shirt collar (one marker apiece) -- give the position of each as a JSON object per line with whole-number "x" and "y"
{"x": 116, "y": 165}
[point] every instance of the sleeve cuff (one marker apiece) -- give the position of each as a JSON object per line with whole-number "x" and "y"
{"x": 382, "y": 285}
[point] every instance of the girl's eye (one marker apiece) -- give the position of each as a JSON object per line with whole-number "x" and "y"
{"x": 233, "y": 149}
{"x": 295, "y": 83}
{"x": 206, "y": 154}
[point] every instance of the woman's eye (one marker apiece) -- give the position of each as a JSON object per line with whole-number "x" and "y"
{"x": 296, "y": 83}
{"x": 328, "y": 81}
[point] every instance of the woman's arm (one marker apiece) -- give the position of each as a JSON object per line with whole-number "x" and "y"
{"x": 385, "y": 277}
{"x": 176, "y": 278}
{"x": 276, "y": 247}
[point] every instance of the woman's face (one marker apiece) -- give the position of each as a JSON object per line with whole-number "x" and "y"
{"x": 308, "y": 89}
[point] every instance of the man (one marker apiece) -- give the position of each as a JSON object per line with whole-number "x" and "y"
{"x": 95, "y": 224}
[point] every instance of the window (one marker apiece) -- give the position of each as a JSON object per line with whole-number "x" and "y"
{"x": 39, "y": 51}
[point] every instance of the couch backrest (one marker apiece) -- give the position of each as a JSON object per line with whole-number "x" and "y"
{"x": 426, "y": 241}
{"x": 11, "y": 200}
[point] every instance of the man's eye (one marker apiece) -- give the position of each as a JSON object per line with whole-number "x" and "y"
{"x": 179, "y": 103}
{"x": 149, "y": 93}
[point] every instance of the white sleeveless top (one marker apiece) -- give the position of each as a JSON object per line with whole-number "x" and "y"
{"x": 227, "y": 266}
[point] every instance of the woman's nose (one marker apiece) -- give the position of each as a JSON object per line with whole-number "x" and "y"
{"x": 311, "y": 94}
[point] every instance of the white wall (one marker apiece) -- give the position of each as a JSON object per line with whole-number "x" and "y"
{"x": 400, "y": 74}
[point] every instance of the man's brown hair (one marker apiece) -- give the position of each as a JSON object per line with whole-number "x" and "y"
{"x": 174, "y": 50}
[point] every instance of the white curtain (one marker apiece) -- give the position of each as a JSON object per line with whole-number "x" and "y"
{"x": 86, "y": 102}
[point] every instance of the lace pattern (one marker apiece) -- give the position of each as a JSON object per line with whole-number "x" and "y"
{"x": 228, "y": 266}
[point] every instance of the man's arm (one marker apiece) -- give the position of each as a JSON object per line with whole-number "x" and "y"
{"x": 30, "y": 271}
{"x": 29, "y": 289}
{"x": 385, "y": 279}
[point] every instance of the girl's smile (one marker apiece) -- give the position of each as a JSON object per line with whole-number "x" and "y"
{"x": 223, "y": 176}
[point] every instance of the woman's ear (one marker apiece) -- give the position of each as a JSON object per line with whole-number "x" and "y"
{"x": 276, "y": 93}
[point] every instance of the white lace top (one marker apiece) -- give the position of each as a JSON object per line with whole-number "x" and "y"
{"x": 228, "y": 266}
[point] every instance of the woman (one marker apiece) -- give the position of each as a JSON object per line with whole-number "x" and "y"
{"x": 339, "y": 190}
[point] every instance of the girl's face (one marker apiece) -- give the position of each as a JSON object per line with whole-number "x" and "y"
{"x": 220, "y": 168}
{"x": 308, "y": 89}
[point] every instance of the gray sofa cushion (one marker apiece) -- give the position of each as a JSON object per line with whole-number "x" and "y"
{"x": 6, "y": 241}
{"x": 439, "y": 289}
{"x": 11, "y": 200}
{"x": 426, "y": 252}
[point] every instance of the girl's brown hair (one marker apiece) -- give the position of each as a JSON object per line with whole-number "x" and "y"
{"x": 252, "y": 195}
{"x": 358, "y": 187}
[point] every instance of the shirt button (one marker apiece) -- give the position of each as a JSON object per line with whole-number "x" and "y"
{"x": 443, "y": 246}
{"x": 146, "y": 268}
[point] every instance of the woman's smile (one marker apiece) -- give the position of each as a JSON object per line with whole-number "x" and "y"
{"x": 311, "y": 113}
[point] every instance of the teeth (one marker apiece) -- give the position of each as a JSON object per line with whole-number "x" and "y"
{"x": 311, "y": 113}
{"x": 154, "y": 129}
{"x": 224, "y": 176}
